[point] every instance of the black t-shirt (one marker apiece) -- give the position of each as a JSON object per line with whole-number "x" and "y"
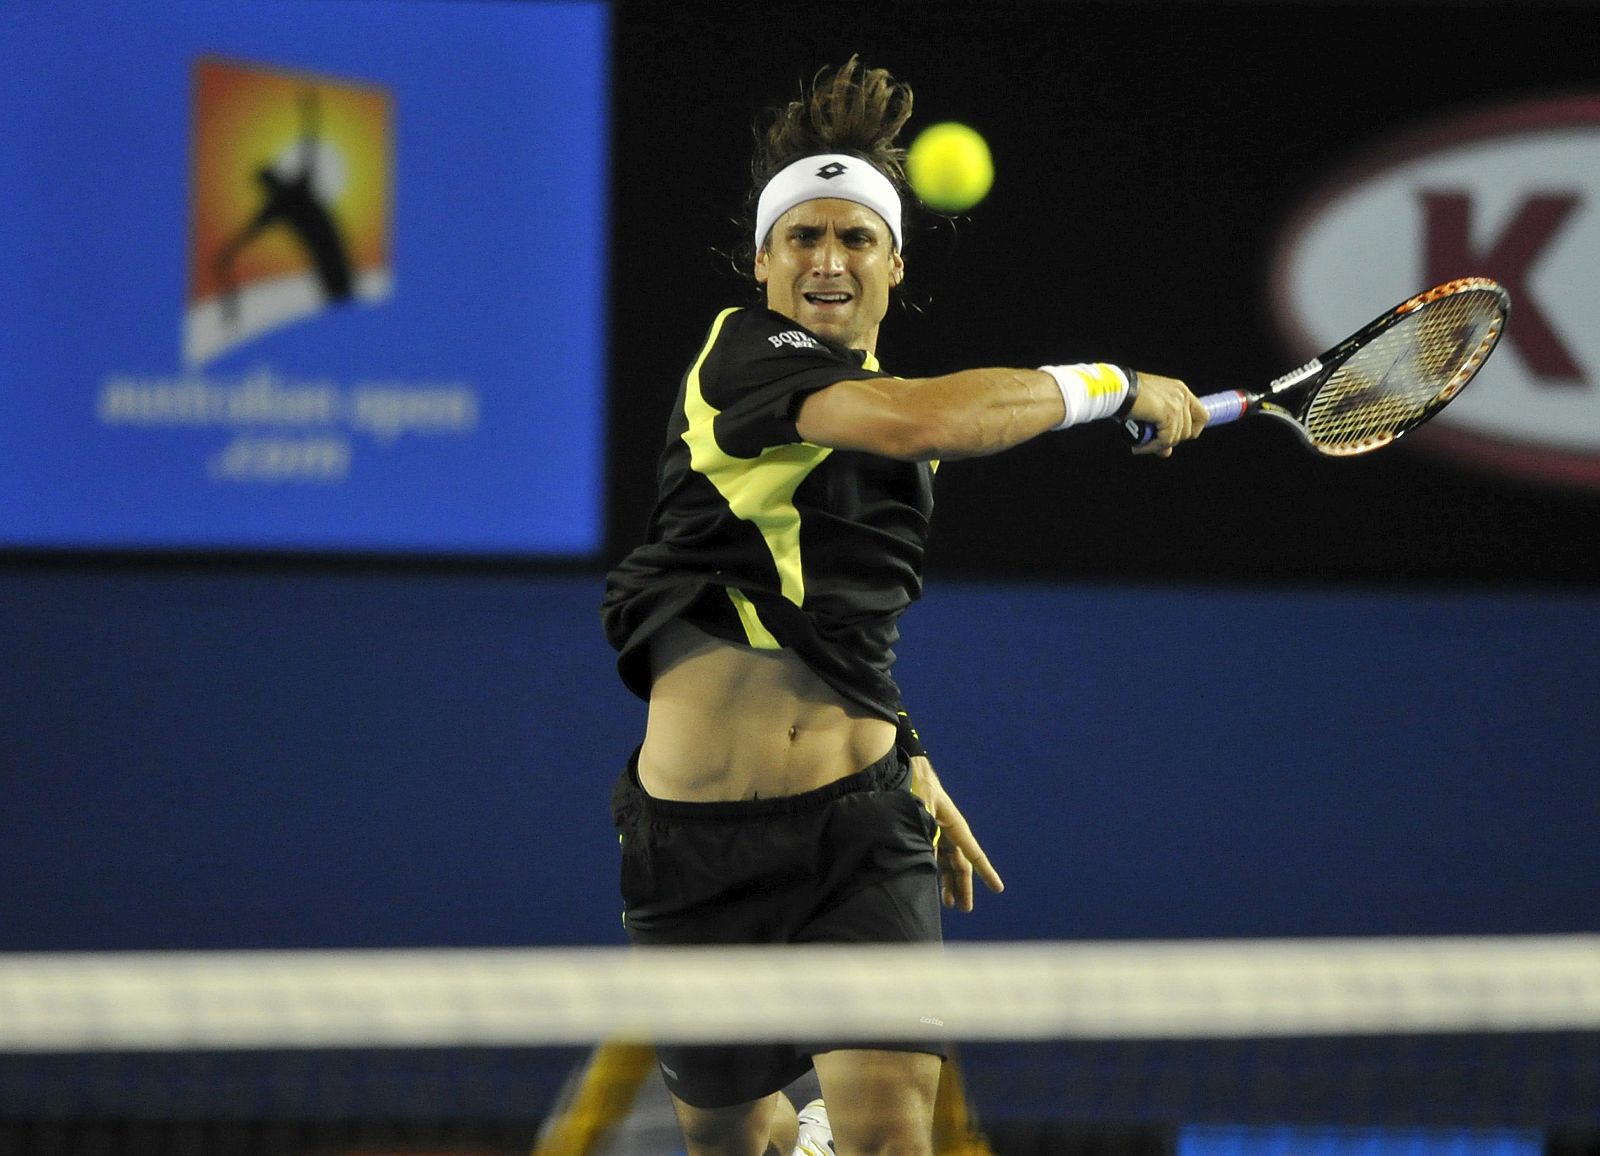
{"x": 763, "y": 539}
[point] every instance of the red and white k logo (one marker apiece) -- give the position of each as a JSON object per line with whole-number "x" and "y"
{"x": 1509, "y": 194}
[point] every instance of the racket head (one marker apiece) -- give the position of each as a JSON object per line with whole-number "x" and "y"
{"x": 1399, "y": 370}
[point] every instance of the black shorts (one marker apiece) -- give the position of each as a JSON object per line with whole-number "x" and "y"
{"x": 850, "y": 862}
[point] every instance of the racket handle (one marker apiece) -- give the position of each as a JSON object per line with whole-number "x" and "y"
{"x": 1221, "y": 408}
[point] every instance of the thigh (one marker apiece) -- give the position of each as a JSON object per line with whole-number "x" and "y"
{"x": 748, "y": 1129}
{"x": 879, "y": 1100}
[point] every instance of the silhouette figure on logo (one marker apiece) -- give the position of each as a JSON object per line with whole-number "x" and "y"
{"x": 293, "y": 201}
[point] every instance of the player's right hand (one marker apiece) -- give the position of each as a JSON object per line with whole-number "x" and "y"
{"x": 1168, "y": 405}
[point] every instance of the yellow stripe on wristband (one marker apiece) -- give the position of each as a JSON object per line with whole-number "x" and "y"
{"x": 1105, "y": 381}
{"x": 1089, "y": 391}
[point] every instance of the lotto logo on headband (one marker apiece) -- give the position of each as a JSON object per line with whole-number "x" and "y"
{"x": 291, "y": 199}
{"x": 835, "y": 177}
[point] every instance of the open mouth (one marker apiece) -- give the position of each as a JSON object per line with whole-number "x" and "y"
{"x": 828, "y": 298}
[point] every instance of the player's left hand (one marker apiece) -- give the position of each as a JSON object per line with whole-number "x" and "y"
{"x": 957, "y": 848}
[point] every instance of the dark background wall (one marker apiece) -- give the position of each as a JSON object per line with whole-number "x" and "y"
{"x": 1149, "y": 157}
{"x": 1357, "y": 701}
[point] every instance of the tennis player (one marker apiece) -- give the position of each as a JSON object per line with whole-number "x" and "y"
{"x": 780, "y": 794}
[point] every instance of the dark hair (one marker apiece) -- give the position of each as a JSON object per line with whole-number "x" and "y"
{"x": 851, "y": 109}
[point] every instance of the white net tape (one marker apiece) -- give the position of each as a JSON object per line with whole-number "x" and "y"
{"x": 994, "y": 991}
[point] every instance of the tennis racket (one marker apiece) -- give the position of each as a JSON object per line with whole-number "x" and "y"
{"x": 1392, "y": 375}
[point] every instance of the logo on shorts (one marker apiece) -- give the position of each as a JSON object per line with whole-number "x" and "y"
{"x": 832, "y": 169}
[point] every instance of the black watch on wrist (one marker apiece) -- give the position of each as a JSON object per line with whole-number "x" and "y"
{"x": 1131, "y": 396}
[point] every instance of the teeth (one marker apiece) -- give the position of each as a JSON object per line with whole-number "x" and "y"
{"x": 831, "y": 297}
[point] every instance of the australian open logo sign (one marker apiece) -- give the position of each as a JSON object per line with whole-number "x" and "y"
{"x": 291, "y": 199}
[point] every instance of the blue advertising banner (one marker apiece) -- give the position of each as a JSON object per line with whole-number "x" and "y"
{"x": 1307, "y": 1141}
{"x": 298, "y": 275}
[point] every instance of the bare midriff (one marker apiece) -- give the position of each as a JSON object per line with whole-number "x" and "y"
{"x": 729, "y": 722}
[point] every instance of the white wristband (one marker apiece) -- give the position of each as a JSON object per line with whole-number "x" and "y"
{"x": 1088, "y": 391}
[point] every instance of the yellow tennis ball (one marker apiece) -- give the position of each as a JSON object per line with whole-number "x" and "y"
{"x": 949, "y": 167}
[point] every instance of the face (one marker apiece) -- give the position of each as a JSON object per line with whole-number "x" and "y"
{"x": 829, "y": 265}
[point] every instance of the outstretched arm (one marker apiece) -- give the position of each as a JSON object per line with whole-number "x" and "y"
{"x": 975, "y": 412}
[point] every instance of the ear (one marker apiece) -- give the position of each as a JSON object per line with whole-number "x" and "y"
{"x": 897, "y": 268}
{"x": 763, "y": 269}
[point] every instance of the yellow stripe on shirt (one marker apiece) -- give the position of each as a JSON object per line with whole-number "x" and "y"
{"x": 758, "y": 490}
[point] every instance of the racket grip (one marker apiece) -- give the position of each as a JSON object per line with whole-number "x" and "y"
{"x": 1221, "y": 408}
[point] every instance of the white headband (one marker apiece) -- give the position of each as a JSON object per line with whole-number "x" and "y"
{"x": 828, "y": 175}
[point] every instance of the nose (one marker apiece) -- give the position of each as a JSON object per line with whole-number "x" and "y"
{"x": 829, "y": 256}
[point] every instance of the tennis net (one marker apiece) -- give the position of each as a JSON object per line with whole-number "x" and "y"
{"x": 1481, "y": 1046}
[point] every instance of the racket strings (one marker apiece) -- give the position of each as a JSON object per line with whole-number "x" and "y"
{"x": 1405, "y": 373}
